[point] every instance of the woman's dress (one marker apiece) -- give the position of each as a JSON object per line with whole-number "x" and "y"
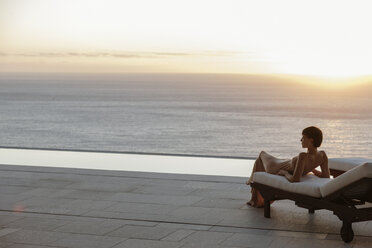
{"x": 273, "y": 165}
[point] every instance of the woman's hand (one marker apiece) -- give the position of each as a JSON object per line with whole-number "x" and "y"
{"x": 282, "y": 172}
{"x": 286, "y": 174}
{"x": 317, "y": 173}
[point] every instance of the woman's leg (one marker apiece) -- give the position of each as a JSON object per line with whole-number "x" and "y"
{"x": 271, "y": 164}
{"x": 257, "y": 200}
{"x": 258, "y": 166}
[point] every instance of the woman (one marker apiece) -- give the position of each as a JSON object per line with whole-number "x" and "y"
{"x": 296, "y": 167}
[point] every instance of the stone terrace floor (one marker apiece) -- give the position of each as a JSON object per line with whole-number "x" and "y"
{"x": 67, "y": 207}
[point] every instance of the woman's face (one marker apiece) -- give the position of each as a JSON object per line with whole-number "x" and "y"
{"x": 306, "y": 142}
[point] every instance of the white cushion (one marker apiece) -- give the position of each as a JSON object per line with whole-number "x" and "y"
{"x": 350, "y": 176}
{"x": 345, "y": 164}
{"x": 312, "y": 185}
{"x": 308, "y": 185}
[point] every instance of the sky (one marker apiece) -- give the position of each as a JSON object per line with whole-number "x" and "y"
{"x": 317, "y": 38}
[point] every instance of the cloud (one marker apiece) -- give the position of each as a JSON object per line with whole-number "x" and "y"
{"x": 126, "y": 55}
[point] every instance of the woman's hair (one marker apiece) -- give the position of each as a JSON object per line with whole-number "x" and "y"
{"x": 315, "y": 134}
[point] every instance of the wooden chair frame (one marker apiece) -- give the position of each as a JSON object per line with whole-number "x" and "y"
{"x": 342, "y": 203}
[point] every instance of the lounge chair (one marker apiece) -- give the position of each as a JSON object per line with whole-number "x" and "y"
{"x": 340, "y": 195}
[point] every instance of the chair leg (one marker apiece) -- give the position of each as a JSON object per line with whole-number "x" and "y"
{"x": 346, "y": 231}
{"x": 266, "y": 208}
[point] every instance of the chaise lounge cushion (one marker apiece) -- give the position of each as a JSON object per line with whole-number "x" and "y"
{"x": 353, "y": 175}
{"x": 345, "y": 164}
{"x": 312, "y": 185}
{"x": 309, "y": 184}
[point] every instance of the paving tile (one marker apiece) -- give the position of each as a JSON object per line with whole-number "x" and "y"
{"x": 200, "y": 237}
{"x": 6, "y": 219}
{"x": 26, "y": 182}
{"x": 78, "y": 206}
{"x": 132, "y": 243}
{"x": 225, "y": 194}
{"x": 87, "y": 241}
{"x": 240, "y": 186}
{"x": 102, "y": 186}
{"x": 207, "y": 185}
{"x": 31, "y": 246}
{"x": 361, "y": 228}
{"x": 116, "y": 215}
{"x": 42, "y": 202}
{"x": 233, "y": 213}
{"x": 185, "y": 226}
{"x": 362, "y": 244}
{"x": 12, "y": 198}
{"x": 330, "y": 236}
{"x": 20, "y": 174}
{"x": 358, "y": 241}
{"x": 51, "y": 183}
{"x": 141, "y": 216}
{"x": 157, "y": 199}
{"x": 85, "y": 194}
{"x": 100, "y": 214}
{"x": 205, "y": 245}
{"x": 316, "y": 243}
{"x": 202, "y": 219}
{"x": 239, "y": 230}
{"x": 5, "y": 231}
{"x": 160, "y": 190}
{"x": 5, "y": 244}
{"x": 249, "y": 221}
{"x": 44, "y": 209}
{"x": 166, "y": 182}
{"x": 88, "y": 227}
{"x": 141, "y": 232}
{"x": 32, "y": 237}
{"x": 9, "y": 189}
{"x": 21, "y": 214}
{"x": 37, "y": 223}
{"x": 148, "y": 208}
{"x": 220, "y": 203}
{"x": 178, "y": 235}
{"x": 190, "y": 211}
{"x": 305, "y": 235}
{"x": 248, "y": 240}
{"x": 281, "y": 242}
{"x": 45, "y": 192}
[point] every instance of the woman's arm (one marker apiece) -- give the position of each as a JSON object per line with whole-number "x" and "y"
{"x": 317, "y": 173}
{"x": 299, "y": 169}
{"x": 286, "y": 174}
{"x": 324, "y": 167}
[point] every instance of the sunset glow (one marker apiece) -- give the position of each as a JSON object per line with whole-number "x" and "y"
{"x": 319, "y": 38}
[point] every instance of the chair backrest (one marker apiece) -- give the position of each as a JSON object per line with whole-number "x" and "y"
{"x": 353, "y": 175}
{"x": 345, "y": 164}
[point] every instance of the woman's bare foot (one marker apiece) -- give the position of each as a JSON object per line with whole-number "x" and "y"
{"x": 253, "y": 204}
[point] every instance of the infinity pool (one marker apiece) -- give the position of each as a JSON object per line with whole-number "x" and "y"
{"x": 128, "y": 162}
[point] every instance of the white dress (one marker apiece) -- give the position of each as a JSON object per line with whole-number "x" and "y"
{"x": 273, "y": 165}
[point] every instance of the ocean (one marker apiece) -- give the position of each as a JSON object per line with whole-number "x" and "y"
{"x": 193, "y": 114}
